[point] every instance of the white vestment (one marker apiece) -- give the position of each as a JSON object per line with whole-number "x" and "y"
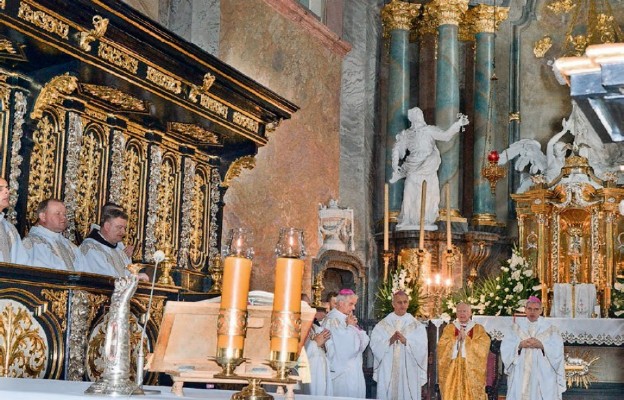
{"x": 50, "y": 249}
{"x": 11, "y": 247}
{"x": 99, "y": 258}
{"x": 321, "y": 383}
{"x": 344, "y": 351}
{"x": 400, "y": 370}
{"x": 531, "y": 373}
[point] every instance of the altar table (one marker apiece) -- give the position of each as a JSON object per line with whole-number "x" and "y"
{"x": 44, "y": 389}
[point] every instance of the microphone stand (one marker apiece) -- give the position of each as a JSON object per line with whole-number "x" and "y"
{"x": 141, "y": 355}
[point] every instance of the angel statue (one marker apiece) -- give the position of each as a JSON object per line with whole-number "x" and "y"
{"x": 529, "y": 153}
{"x": 416, "y": 158}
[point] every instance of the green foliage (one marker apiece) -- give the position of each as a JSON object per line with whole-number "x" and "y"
{"x": 398, "y": 280}
{"x": 617, "y": 298}
{"x": 504, "y": 294}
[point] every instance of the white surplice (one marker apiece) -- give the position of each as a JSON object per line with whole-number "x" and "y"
{"x": 11, "y": 248}
{"x": 50, "y": 249}
{"x": 531, "y": 373}
{"x": 321, "y": 383}
{"x": 99, "y": 258}
{"x": 400, "y": 370}
{"x": 344, "y": 351}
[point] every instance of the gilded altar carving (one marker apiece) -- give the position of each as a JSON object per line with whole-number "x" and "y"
{"x": 58, "y": 299}
{"x": 155, "y": 167}
{"x": 117, "y": 167}
{"x": 215, "y": 200}
{"x": 72, "y": 163}
{"x": 166, "y": 227}
{"x": 398, "y": 15}
{"x": 163, "y": 80}
{"x": 485, "y": 18}
{"x": 561, "y": 6}
{"x": 213, "y": 105}
{"x": 428, "y": 24}
{"x": 197, "y": 251}
{"x": 7, "y": 46}
{"x": 187, "y": 210}
{"x": 245, "y": 122}
{"x": 246, "y": 162}
{"x": 92, "y": 163}
{"x": 96, "y": 114}
{"x": 53, "y": 93}
{"x": 42, "y": 20}
{"x": 24, "y": 350}
{"x": 194, "y": 131}
{"x": 19, "y": 111}
{"x": 195, "y": 91}
{"x": 43, "y": 161}
{"x": 115, "y": 97}
{"x": 118, "y": 57}
{"x": 99, "y": 29}
{"x": 134, "y": 172}
{"x": 156, "y": 310}
{"x": 542, "y": 46}
{"x": 448, "y": 12}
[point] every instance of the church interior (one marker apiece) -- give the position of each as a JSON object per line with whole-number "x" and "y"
{"x": 462, "y": 151}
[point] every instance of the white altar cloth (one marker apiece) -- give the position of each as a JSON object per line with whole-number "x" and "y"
{"x": 591, "y": 331}
{"x": 42, "y": 389}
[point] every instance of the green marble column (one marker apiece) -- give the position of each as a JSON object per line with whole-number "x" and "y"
{"x": 448, "y": 14}
{"x": 397, "y": 18}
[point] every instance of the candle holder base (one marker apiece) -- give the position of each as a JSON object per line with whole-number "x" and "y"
{"x": 228, "y": 363}
{"x": 253, "y": 391}
{"x": 282, "y": 363}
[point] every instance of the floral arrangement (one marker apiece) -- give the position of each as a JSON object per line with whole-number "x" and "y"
{"x": 399, "y": 280}
{"x": 504, "y": 294}
{"x": 617, "y": 298}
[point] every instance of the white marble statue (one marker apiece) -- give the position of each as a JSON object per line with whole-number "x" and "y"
{"x": 335, "y": 227}
{"x": 416, "y": 158}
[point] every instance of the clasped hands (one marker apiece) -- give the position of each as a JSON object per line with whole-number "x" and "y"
{"x": 322, "y": 337}
{"x": 531, "y": 343}
{"x": 397, "y": 337}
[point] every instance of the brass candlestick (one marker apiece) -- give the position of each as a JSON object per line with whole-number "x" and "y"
{"x": 216, "y": 273}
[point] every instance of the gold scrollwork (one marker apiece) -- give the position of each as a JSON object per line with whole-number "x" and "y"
{"x": 133, "y": 167}
{"x": 448, "y": 12}
{"x": 194, "y": 131}
{"x": 58, "y": 298}
{"x": 542, "y": 46}
{"x": 7, "y": 46}
{"x": 285, "y": 324}
{"x": 195, "y": 91}
{"x": 24, "y": 352}
{"x": 245, "y": 122}
{"x": 484, "y": 18}
{"x": 114, "y": 97}
{"x": 398, "y": 15}
{"x": 118, "y": 57}
{"x": 43, "y": 20}
{"x": 213, "y": 105}
{"x": 164, "y": 81}
{"x": 87, "y": 191}
{"x": 99, "y": 29}
{"x": 196, "y": 236}
{"x": 42, "y": 163}
{"x": 53, "y": 92}
{"x": 164, "y": 231}
{"x": 561, "y": 6}
{"x": 246, "y": 162}
{"x": 232, "y": 322}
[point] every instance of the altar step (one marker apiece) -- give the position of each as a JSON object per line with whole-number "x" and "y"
{"x": 597, "y": 391}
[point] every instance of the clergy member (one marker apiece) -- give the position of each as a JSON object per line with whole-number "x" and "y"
{"x": 315, "y": 346}
{"x": 462, "y": 358}
{"x": 45, "y": 243}
{"x": 11, "y": 247}
{"x": 103, "y": 252}
{"x": 345, "y": 347}
{"x": 532, "y": 352}
{"x": 399, "y": 344}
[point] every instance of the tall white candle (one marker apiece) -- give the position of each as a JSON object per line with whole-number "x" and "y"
{"x": 386, "y": 244}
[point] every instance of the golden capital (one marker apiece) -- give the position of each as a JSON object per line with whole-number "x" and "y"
{"x": 428, "y": 23}
{"x": 448, "y": 12}
{"x": 399, "y": 15}
{"x": 484, "y": 18}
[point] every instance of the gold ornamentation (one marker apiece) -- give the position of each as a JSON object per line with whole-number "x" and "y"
{"x": 579, "y": 369}
{"x": 87, "y": 188}
{"x": 246, "y": 162}
{"x": 484, "y": 18}
{"x": 133, "y": 177}
{"x": 428, "y": 25}
{"x": 448, "y": 12}
{"x": 42, "y": 165}
{"x": 72, "y": 162}
{"x": 58, "y": 298}
{"x": 115, "y": 97}
{"x": 514, "y": 116}
{"x": 272, "y": 126}
{"x": 99, "y": 29}
{"x": 2, "y": 4}
{"x": 7, "y": 46}
{"x": 43, "y": 20}
{"x": 53, "y": 93}
{"x": 542, "y": 46}
{"x": 165, "y": 225}
{"x": 398, "y": 15}
{"x": 195, "y": 91}
{"x": 215, "y": 199}
{"x": 155, "y": 167}
{"x": 285, "y": 324}
{"x": 163, "y": 80}
{"x": 197, "y": 253}
{"x": 187, "y": 211}
{"x": 115, "y": 185}
{"x": 19, "y": 111}
{"x": 96, "y": 114}
{"x": 118, "y": 57}
{"x": 194, "y": 131}
{"x": 24, "y": 350}
{"x": 245, "y": 122}
{"x": 561, "y": 6}
{"x": 232, "y": 322}
{"x": 216, "y": 273}
{"x": 493, "y": 173}
{"x": 213, "y": 105}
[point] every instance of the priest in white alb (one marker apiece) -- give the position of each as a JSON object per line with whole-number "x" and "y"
{"x": 11, "y": 248}
{"x": 532, "y": 353}
{"x": 345, "y": 347}
{"x": 45, "y": 243}
{"x": 318, "y": 364}
{"x": 399, "y": 345}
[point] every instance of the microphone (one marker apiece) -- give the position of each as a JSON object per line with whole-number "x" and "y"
{"x": 158, "y": 256}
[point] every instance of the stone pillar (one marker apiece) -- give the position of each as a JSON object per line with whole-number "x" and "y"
{"x": 397, "y": 18}
{"x": 485, "y": 20}
{"x": 448, "y": 14}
